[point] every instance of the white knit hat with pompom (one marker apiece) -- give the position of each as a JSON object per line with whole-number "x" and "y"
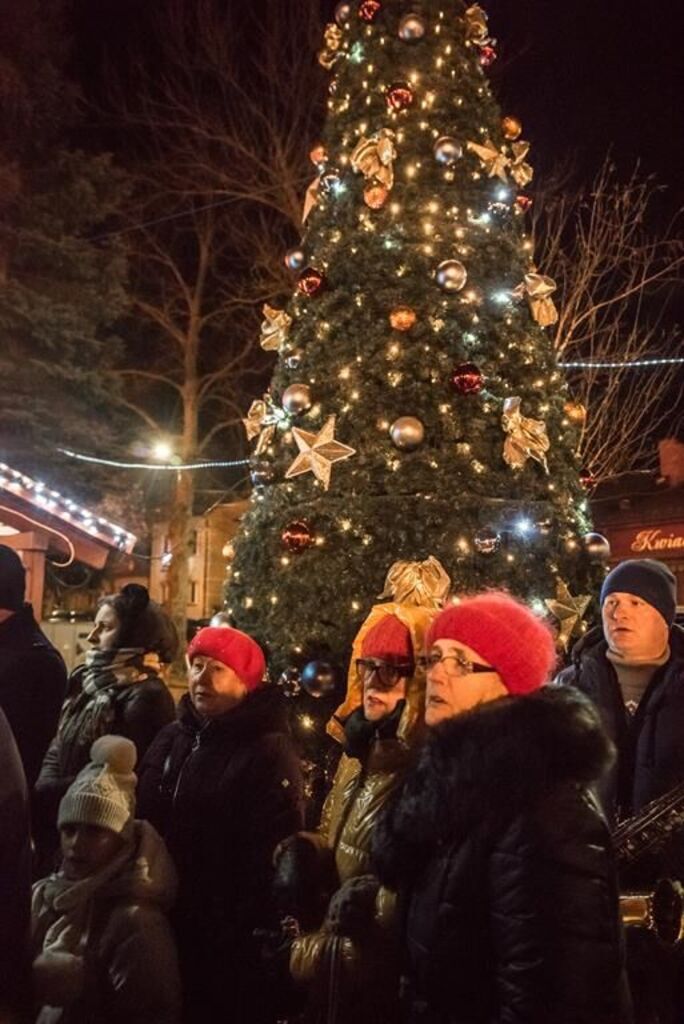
{"x": 103, "y": 793}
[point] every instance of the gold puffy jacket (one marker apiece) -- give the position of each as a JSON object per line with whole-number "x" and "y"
{"x": 353, "y": 980}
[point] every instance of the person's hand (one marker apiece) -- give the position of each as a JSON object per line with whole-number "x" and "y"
{"x": 58, "y": 978}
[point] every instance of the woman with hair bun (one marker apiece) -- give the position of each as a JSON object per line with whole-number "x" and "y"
{"x": 118, "y": 690}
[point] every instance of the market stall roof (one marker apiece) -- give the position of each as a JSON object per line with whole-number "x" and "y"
{"x": 72, "y": 529}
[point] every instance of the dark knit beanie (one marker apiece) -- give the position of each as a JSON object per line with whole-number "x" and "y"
{"x": 648, "y": 579}
{"x": 142, "y": 623}
{"x": 12, "y": 579}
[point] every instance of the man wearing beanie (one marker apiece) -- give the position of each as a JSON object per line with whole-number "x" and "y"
{"x": 102, "y": 945}
{"x": 632, "y": 668}
{"x": 501, "y": 857}
{"x": 223, "y": 786}
{"x": 346, "y": 955}
{"x": 32, "y": 672}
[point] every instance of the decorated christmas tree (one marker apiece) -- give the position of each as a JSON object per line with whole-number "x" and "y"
{"x": 416, "y": 410}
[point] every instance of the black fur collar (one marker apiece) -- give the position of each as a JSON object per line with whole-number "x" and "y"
{"x": 489, "y": 764}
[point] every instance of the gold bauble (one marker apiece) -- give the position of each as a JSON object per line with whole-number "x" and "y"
{"x": 576, "y": 412}
{"x": 511, "y": 127}
{"x": 402, "y": 318}
{"x": 375, "y": 196}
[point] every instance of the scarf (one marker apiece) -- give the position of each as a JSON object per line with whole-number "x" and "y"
{"x": 90, "y": 711}
{"x": 634, "y": 676}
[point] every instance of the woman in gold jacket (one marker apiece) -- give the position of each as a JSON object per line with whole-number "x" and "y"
{"x": 348, "y": 965}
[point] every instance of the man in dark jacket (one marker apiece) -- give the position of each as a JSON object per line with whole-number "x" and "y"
{"x": 15, "y": 883}
{"x": 32, "y": 672}
{"x": 501, "y": 856}
{"x": 223, "y": 787}
{"x": 632, "y": 668}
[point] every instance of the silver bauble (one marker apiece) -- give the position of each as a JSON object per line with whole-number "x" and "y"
{"x": 451, "y": 275}
{"x": 407, "y": 433}
{"x": 412, "y": 28}
{"x": 289, "y": 683}
{"x": 596, "y": 546}
{"x": 293, "y": 358}
{"x": 487, "y": 541}
{"x": 294, "y": 259}
{"x": 342, "y": 14}
{"x": 296, "y": 399}
{"x": 447, "y": 150}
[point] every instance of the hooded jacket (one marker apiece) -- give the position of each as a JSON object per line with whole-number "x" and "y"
{"x": 370, "y": 769}
{"x": 32, "y": 686}
{"x": 129, "y": 969}
{"x": 223, "y": 792}
{"x": 504, "y": 867}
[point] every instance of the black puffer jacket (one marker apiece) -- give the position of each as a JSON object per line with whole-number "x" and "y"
{"x": 32, "y": 687}
{"x": 504, "y": 867}
{"x": 223, "y": 792}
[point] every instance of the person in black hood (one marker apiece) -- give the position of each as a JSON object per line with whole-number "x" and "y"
{"x": 32, "y": 673}
{"x": 119, "y": 691}
{"x": 223, "y": 786}
{"x": 500, "y": 854}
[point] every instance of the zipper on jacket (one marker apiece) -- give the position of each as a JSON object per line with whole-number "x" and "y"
{"x": 193, "y": 749}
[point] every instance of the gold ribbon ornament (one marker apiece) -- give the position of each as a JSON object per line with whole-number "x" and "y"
{"x": 521, "y": 172}
{"x": 527, "y": 438}
{"x": 274, "y": 328}
{"x": 539, "y": 288}
{"x": 424, "y": 583}
{"x": 493, "y": 161}
{"x": 374, "y": 158}
{"x": 261, "y": 420}
{"x": 331, "y": 51}
{"x": 477, "y": 29}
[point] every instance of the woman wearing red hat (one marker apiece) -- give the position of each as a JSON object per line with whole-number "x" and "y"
{"x": 500, "y": 854}
{"x": 223, "y": 787}
{"x": 346, "y": 962}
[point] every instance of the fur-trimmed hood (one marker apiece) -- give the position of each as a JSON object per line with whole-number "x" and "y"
{"x": 487, "y": 766}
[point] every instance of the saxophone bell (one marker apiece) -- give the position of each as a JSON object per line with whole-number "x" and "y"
{"x": 660, "y": 911}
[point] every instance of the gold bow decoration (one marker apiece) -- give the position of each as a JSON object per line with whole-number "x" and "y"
{"x": 539, "y": 288}
{"x": 424, "y": 583}
{"x": 527, "y": 438}
{"x": 274, "y": 328}
{"x": 333, "y": 40}
{"x": 261, "y": 420}
{"x": 374, "y": 157}
{"x": 311, "y": 198}
{"x": 568, "y": 612}
{"x": 477, "y": 28}
{"x": 521, "y": 172}
{"x": 493, "y": 161}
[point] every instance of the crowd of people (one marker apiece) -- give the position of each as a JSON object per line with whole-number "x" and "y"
{"x": 463, "y": 870}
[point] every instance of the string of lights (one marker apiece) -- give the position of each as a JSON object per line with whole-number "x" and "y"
{"x": 221, "y": 464}
{"x": 616, "y": 365}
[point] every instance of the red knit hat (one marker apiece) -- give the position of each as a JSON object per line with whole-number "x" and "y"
{"x": 505, "y": 633}
{"x": 388, "y": 638}
{"x": 232, "y": 648}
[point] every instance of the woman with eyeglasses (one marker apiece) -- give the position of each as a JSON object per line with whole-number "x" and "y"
{"x": 346, "y": 962}
{"x": 499, "y": 851}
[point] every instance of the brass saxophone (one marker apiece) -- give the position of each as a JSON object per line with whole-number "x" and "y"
{"x": 661, "y": 909}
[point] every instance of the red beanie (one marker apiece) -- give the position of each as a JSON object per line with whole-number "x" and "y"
{"x": 232, "y": 648}
{"x": 505, "y": 633}
{"x": 389, "y": 638}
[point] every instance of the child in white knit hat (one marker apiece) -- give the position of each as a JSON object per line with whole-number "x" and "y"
{"x": 103, "y": 948}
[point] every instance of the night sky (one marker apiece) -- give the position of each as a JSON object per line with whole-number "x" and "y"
{"x": 583, "y": 76}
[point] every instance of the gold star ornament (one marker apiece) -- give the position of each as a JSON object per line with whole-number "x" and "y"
{"x": 568, "y": 612}
{"x": 318, "y": 452}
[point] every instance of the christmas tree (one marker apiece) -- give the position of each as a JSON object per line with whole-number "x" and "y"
{"x": 416, "y": 410}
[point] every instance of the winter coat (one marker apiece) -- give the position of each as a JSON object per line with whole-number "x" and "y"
{"x": 129, "y": 961}
{"x": 137, "y": 710}
{"x": 15, "y": 881}
{"x": 223, "y": 792}
{"x": 505, "y": 871}
{"x": 32, "y": 687}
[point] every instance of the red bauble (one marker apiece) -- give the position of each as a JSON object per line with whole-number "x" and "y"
{"x": 318, "y": 154}
{"x": 487, "y": 56}
{"x": 311, "y": 281}
{"x": 587, "y": 479}
{"x": 368, "y": 9}
{"x": 399, "y": 96}
{"x": 297, "y": 537}
{"x": 467, "y": 379}
{"x": 523, "y": 203}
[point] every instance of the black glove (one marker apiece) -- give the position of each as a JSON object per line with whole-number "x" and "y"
{"x": 352, "y": 908}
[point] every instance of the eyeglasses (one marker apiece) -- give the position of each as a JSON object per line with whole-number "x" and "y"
{"x": 462, "y": 666}
{"x": 387, "y": 673}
